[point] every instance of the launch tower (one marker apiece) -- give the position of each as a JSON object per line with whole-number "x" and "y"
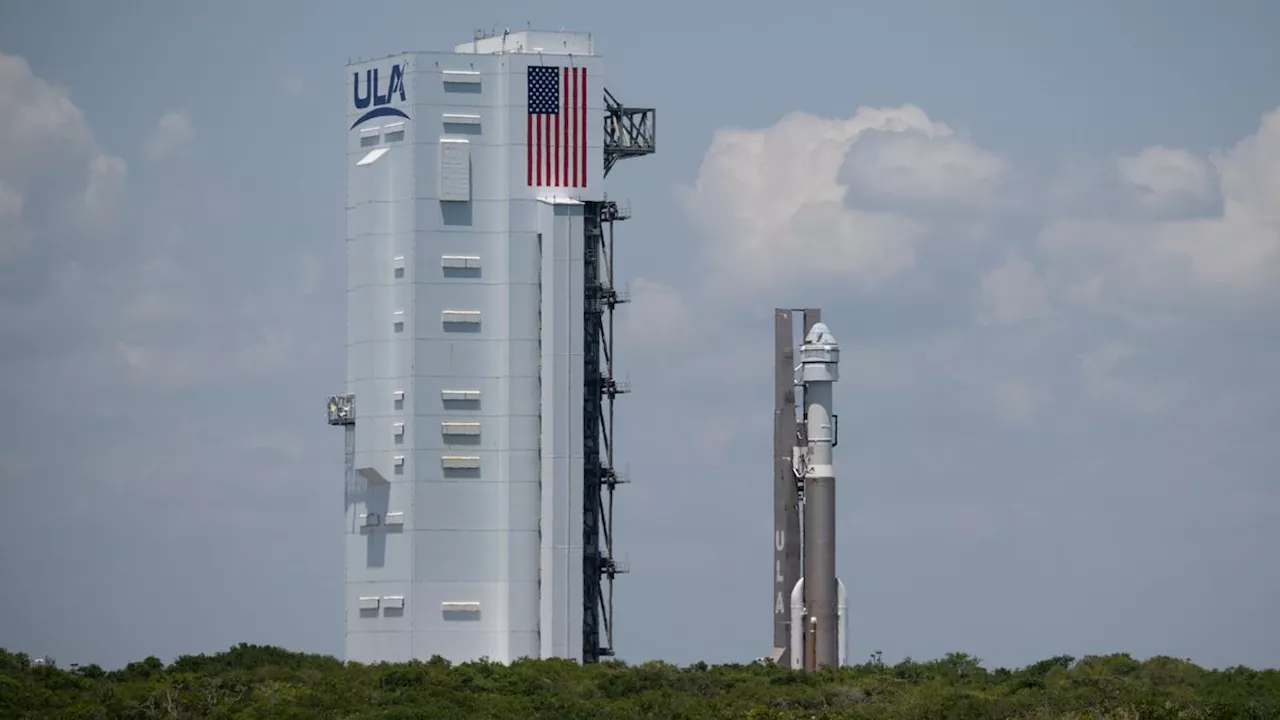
{"x": 480, "y": 367}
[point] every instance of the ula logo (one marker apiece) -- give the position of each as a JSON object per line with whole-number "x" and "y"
{"x": 370, "y": 93}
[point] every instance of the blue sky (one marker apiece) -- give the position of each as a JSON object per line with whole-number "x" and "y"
{"x": 1047, "y": 237}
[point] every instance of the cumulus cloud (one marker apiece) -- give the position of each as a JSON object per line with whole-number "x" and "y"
{"x": 143, "y": 353}
{"x": 814, "y": 198}
{"x": 59, "y": 193}
{"x": 854, "y": 211}
{"x": 1228, "y": 258}
{"x": 171, "y": 136}
{"x": 916, "y": 170}
{"x": 1013, "y": 292}
{"x": 1162, "y": 180}
{"x": 72, "y": 284}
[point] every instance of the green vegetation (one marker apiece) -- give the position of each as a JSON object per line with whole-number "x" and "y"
{"x": 265, "y": 682}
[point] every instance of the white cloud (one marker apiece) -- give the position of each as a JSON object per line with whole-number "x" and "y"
{"x": 57, "y": 189}
{"x": 1226, "y": 259}
{"x": 171, "y": 136}
{"x": 783, "y": 204}
{"x": 1160, "y": 180}
{"x": 71, "y": 285}
{"x": 924, "y": 170}
{"x": 843, "y": 207}
{"x": 1014, "y": 292}
{"x": 103, "y": 201}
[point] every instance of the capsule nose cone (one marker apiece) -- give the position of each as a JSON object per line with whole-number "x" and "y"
{"x": 819, "y": 334}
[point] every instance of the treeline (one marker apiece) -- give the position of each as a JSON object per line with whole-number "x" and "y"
{"x": 251, "y": 681}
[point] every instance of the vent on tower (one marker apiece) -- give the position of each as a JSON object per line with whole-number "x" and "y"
{"x": 460, "y": 462}
{"x": 460, "y": 266}
{"x": 455, "y": 610}
{"x": 461, "y": 320}
{"x": 460, "y": 262}
{"x": 461, "y": 81}
{"x": 459, "y": 428}
{"x": 393, "y": 604}
{"x": 460, "y": 124}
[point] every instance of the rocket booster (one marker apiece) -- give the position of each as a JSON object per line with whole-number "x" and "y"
{"x": 821, "y": 592}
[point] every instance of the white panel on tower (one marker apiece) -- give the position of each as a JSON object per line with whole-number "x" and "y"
{"x": 455, "y": 170}
{"x": 372, "y": 156}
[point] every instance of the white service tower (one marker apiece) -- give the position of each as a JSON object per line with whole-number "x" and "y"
{"x": 475, "y": 226}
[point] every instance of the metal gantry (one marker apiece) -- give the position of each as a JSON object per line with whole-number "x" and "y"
{"x": 628, "y": 132}
{"x": 600, "y": 476}
{"x": 342, "y": 412}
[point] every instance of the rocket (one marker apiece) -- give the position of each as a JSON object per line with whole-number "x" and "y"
{"x": 815, "y": 626}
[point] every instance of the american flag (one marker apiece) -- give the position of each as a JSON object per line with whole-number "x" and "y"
{"x": 556, "y": 145}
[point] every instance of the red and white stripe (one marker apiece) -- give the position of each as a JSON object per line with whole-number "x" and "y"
{"x": 557, "y": 142}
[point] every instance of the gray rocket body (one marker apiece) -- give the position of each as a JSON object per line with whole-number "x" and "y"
{"x": 819, "y": 370}
{"x": 816, "y": 617}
